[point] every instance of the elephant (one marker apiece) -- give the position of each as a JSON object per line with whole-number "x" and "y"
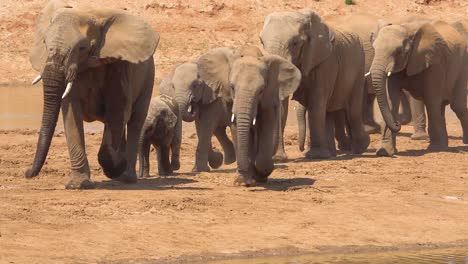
{"x": 430, "y": 61}
{"x": 161, "y": 129}
{"x": 331, "y": 61}
{"x": 95, "y": 64}
{"x": 257, "y": 85}
{"x": 208, "y": 107}
{"x": 365, "y": 26}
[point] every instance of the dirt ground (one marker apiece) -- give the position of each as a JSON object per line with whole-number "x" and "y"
{"x": 414, "y": 199}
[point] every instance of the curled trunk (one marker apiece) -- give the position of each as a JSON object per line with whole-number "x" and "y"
{"x": 379, "y": 82}
{"x": 301, "y": 123}
{"x": 54, "y": 85}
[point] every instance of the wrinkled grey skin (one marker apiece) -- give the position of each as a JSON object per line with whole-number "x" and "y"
{"x": 257, "y": 85}
{"x": 210, "y": 111}
{"x": 162, "y": 129}
{"x": 108, "y": 57}
{"x": 332, "y": 63}
{"x": 430, "y": 61}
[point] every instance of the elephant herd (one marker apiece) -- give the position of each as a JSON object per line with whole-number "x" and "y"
{"x": 97, "y": 64}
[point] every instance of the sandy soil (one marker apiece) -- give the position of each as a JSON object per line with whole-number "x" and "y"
{"x": 416, "y": 198}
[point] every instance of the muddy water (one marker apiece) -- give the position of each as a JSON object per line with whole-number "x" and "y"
{"x": 445, "y": 256}
{"x": 21, "y": 108}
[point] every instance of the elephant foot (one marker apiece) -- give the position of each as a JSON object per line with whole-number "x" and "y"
{"x": 318, "y": 153}
{"x": 405, "y": 119}
{"x": 127, "y": 177}
{"x": 145, "y": 175}
{"x": 201, "y": 168}
{"x": 419, "y": 135}
{"x": 229, "y": 158}
{"x": 361, "y": 144}
{"x": 372, "y": 128}
{"x": 435, "y": 147}
{"x": 345, "y": 145}
{"x": 164, "y": 172}
{"x": 246, "y": 181}
{"x": 385, "y": 151}
{"x": 216, "y": 159}
{"x": 175, "y": 165}
{"x": 79, "y": 181}
{"x": 280, "y": 157}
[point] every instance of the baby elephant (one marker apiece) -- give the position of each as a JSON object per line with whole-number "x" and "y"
{"x": 162, "y": 129}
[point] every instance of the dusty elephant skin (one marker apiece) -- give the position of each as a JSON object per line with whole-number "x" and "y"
{"x": 430, "y": 61}
{"x": 332, "y": 63}
{"x": 79, "y": 53}
{"x": 257, "y": 85}
{"x": 163, "y": 130}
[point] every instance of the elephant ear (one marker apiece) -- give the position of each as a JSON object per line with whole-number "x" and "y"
{"x": 428, "y": 48}
{"x": 282, "y": 76}
{"x": 38, "y": 53}
{"x": 213, "y": 69}
{"x": 126, "y": 37}
{"x": 319, "y": 45}
{"x": 166, "y": 87}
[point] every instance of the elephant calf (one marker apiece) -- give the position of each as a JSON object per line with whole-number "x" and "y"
{"x": 162, "y": 129}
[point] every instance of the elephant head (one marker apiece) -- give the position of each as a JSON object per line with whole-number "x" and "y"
{"x": 410, "y": 48}
{"x": 256, "y": 84}
{"x": 69, "y": 41}
{"x": 191, "y": 90}
{"x": 301, "y": 37}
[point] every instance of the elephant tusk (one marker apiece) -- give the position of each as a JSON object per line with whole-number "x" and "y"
{"x": 254, "y": 121}
{"x": 389, "y": 73}
{"x": 189, "y": 109}
{"x": 67, "y": 90}
{"x": 233, "y": 117}
{"x": 367, "y": 74}
{"x": 295, "y": 108}
{"x": 37, "y": 79}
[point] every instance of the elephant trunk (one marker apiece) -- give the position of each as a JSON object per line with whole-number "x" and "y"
{"x": 379, "y": 82}
{"x": 184, "y": 100}
{"x": 54, "y": 85}
{"x": 301, "y": 123}
{"x": 244, "y": 118}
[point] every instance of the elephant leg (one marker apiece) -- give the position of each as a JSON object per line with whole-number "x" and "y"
{"x": 226, "y": 144}
{"x": 317, "y": 136}
{"x": 205, "y": 130}
{"x": 144, "y": 157}
{"x": 264, "y": 146}
{"x": 418, "y": 117}
{"x": 215, "y": 157}
{"x": 175, "y": 146}
{"x": 280, "y": 154}
{"x": 164, "y": 164}
{"x": 388, "y": 142}
{"x": 359, "y": 137}
{"x": 330, "y": 120}
{"x": 437, "y": 130}
{"x": 74, "y": 132}
{"x": 301, "y": 115}
{"x": 405, "y": 112}
{"x": 344, "y": 141}
{"x": 458, "y": 104}
{"x": 370, "y": 125}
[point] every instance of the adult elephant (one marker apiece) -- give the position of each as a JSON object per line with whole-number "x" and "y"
{"x": 366, "y": 26}
{"x": 331, "y": 61}
{"x": 96, "y": 65}
{"x": 209, "y": 107}
{"x": 429, "y": 59}
{"x": 257, "y": 85}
